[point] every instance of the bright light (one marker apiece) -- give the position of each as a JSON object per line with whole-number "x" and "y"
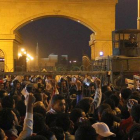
{"x": 19, "y": 54}
{"x": 22, "y": 50}
{"x": 78, "y": 20}
{"x": 70, "y": 61}
{"x": 28, "y": 55}
{"x": 74, "y": 61}
{"x": 101, "y": 53}
{"x": 32, "y": 58}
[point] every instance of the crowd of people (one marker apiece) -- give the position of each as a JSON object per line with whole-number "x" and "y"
{"x": 67, "y": 108}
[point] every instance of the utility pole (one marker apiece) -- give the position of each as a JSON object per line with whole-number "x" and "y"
{"x": 138, "y": 20}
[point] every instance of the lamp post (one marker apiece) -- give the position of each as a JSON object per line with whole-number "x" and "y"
{"x": 25, "y": 57}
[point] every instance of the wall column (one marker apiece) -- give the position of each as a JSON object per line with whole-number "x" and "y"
{"x": 9, "y": 45}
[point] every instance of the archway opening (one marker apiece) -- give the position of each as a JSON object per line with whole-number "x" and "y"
{"x": 55, "y": 37}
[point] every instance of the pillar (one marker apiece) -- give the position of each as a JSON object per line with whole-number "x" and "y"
{"x": 9, "y": 45}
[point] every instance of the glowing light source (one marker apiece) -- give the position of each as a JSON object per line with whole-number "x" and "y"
{"x": 22, "y": 50}
{"x": 32, "y": 58}
{"x": 101, "y": 53}
{"x": 28, "y": 56}
{"x": 19, "y": 54}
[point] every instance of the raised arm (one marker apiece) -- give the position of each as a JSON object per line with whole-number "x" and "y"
{"x": 98, "y": 93}
{"x": 28, "y": 121}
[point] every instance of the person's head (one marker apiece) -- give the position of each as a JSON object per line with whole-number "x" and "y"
{"x": 102, "y": 130}
{"x": 116, "y": 99}
{"x": 107, "y": 117}
{"x": 18, "y": 85}
{"x": 126, "y": 93}
{"x": 105, "y": 88}
{"x": 7, "y": 84}
{"x": 3, "y": 93}
{"x": 37, "y": 137}
{"x": 1, "y": 86}
{"x": 101, "y": 108}
{"x": 110, "y": 102}
{"x": 2, "y": 135}
{"x": 26, "y": 78}
{"x": 58, "y": 103}
{"x": 8, "y": 102}
{"x": 40, "y": 108}
{"x": 7, "y": 119}
{"x": 76, "y": 114}
{"x": 135, "y": 113}
{"x": 108, "y": 94}
{"x": 59, "y": 133}
{"x": 84, "y": 104}
{"x": 85, "y": 133}
{"x": 133, "y": 130}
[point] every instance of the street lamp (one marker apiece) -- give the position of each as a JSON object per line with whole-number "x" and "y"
{"x": 28, "y": 57}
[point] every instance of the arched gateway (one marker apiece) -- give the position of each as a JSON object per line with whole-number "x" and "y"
{"x": 98, "y": 15}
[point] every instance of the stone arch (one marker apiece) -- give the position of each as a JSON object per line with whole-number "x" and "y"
{"x": 99, "y": 16}
{"x": 83, "y": 21}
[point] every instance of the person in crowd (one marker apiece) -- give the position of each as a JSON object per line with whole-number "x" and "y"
{"x": 8, "y": 102}
{"x": 16, "y": 90}
{"x": 105, "y": 88}
{"x": 134, "y": 129}
{"x": 58, "y": 104}
{"x": 50, "y": 108}
{"x": 101, "y": 108}
{"x": 103, "y": 131}
{"x": 2, "y": 135}
{"x": 126, "y": 124}
{"x": 63, "y": 121}
{"x": 8, "y": 120}
{"x": 59, "y": 133}
{"x": 39, "y": 107}
{"x": 85, "y": 132}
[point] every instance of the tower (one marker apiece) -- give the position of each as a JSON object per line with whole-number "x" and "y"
{"x": 37, "y": 54}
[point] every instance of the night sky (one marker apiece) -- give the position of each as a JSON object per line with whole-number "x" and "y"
{"x": 63, "y": 36}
